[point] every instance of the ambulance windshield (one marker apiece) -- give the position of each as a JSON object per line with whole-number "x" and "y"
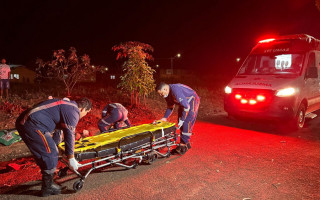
{"x": 272, "y": 64}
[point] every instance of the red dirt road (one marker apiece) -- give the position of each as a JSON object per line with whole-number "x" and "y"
{"x": 224, "y": 163}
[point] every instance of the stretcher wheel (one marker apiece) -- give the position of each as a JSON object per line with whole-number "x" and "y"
{"x": 181, "y": 150}
{"x": 78, "y": 185}
{"x": 135, "y": 164}
{"x": 152, "y": 158}
{"x": 63, "y": 172}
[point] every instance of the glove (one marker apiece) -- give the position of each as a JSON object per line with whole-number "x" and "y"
{"x": 163, "y": 119}
{"x": 85, "y": 133}
{"x": 158, "y": 121}
{"x": 180, "y": 123}
{"x": 73, "y": 163}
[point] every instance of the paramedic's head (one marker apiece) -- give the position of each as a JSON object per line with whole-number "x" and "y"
{"x": 3, "y": 61}
{"x": 163, "y": 89}
{"x": 84, "y": 106}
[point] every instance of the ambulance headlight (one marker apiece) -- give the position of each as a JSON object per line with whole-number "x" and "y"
{"x": 286, "y": 92}
{"x": 227, "y": 90}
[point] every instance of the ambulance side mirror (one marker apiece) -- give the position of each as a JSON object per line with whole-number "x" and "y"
{"x": 312, "y": 72}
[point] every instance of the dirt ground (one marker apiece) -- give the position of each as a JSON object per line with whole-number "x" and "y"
{"x": 229, "y": 160}
{"x": 225, "y": 163}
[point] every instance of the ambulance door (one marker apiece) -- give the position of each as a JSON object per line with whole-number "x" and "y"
{"x": 312, "y": 83}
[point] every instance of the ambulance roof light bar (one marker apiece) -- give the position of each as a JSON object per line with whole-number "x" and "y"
{"x": 267, "y": 40}
{"x": 305, "y": 37}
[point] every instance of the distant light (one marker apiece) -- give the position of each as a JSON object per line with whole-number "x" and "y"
{"x": 157, "y": 66}
{"x": 106, "y": 69}
{"x": 178, "y": 55}
{"x": 238, "y": 59}
{"x": 112, "y": 77}
{"x": 92, "y": 66}
{"x": 267, "y": 40}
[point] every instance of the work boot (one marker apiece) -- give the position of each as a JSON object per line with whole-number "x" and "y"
{"x": 48, "y": 186}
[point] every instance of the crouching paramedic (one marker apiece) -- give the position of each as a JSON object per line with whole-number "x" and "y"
{"x": 35, "y": 126}
{"x": 188, "y": 102}
{"x": 112, "y": 115}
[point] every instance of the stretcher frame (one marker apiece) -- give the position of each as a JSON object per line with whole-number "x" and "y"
{"x": 142, "y": 150}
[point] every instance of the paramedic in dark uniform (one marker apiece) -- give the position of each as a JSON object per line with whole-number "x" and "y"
{"x": 188, "y": 102}
{"x": 112, "y": 115}
{"x": 36, "y": 126}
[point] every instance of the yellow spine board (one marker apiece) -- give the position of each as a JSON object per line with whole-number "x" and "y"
{"x": 108, "y": 138}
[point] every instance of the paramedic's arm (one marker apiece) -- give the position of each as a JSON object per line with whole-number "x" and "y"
{"x": 71, "y": 119}
{"x": 127, "y": 122}
{"x": 184, "y": 103}
{"x": 104, "y": 111}
{"x": 170, "y": 107}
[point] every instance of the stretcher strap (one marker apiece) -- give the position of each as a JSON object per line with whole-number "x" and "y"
{"x": 162, "y": 132}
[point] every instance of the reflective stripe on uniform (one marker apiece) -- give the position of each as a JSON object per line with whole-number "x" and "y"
{"x": 192, "y": 97}
{"x": 113, "y": 105}
{"x": 186, "y": 134}
{"x": 44, "y": 140}
{"x": 189, "y": 100}
{"x": 43, "y": 107}
{"x": 187, "y": 109}
{"x": 105, "y": 122}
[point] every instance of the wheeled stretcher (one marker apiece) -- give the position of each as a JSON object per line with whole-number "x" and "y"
{"x": 143, "y": 143}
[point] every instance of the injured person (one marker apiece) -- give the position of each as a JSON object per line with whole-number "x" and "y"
{"x": 112, "y": 116}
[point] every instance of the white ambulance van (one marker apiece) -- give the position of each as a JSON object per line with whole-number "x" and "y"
{"x": 278, "y": 80}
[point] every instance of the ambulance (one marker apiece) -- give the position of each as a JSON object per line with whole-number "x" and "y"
{"x": 278, "y": 80}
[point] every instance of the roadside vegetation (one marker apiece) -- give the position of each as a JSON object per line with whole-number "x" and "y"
{"x": 66, "y": 75}
{"x": 23, "y": 96}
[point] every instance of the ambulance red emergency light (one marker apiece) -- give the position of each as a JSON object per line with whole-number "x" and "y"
{"x": 278, "y": 80}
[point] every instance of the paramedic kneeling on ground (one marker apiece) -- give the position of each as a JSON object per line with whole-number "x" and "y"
{"x": 35, "y": 126}
{"x": 188, "y": 102}
{"x": 112, "y": 115}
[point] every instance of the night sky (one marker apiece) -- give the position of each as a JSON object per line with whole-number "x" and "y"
{"x": 210, "y": 35}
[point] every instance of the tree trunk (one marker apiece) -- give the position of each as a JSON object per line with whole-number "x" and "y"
{"x": 131, "y": 99}
{"x": 137, "y": 99}
{"x": 68, "y": 91}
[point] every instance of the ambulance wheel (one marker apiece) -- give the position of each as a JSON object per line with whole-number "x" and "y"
{"x": 299, "y": 120}
{"x": 63, "y": 172}
{"x": 78, "y": 185}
